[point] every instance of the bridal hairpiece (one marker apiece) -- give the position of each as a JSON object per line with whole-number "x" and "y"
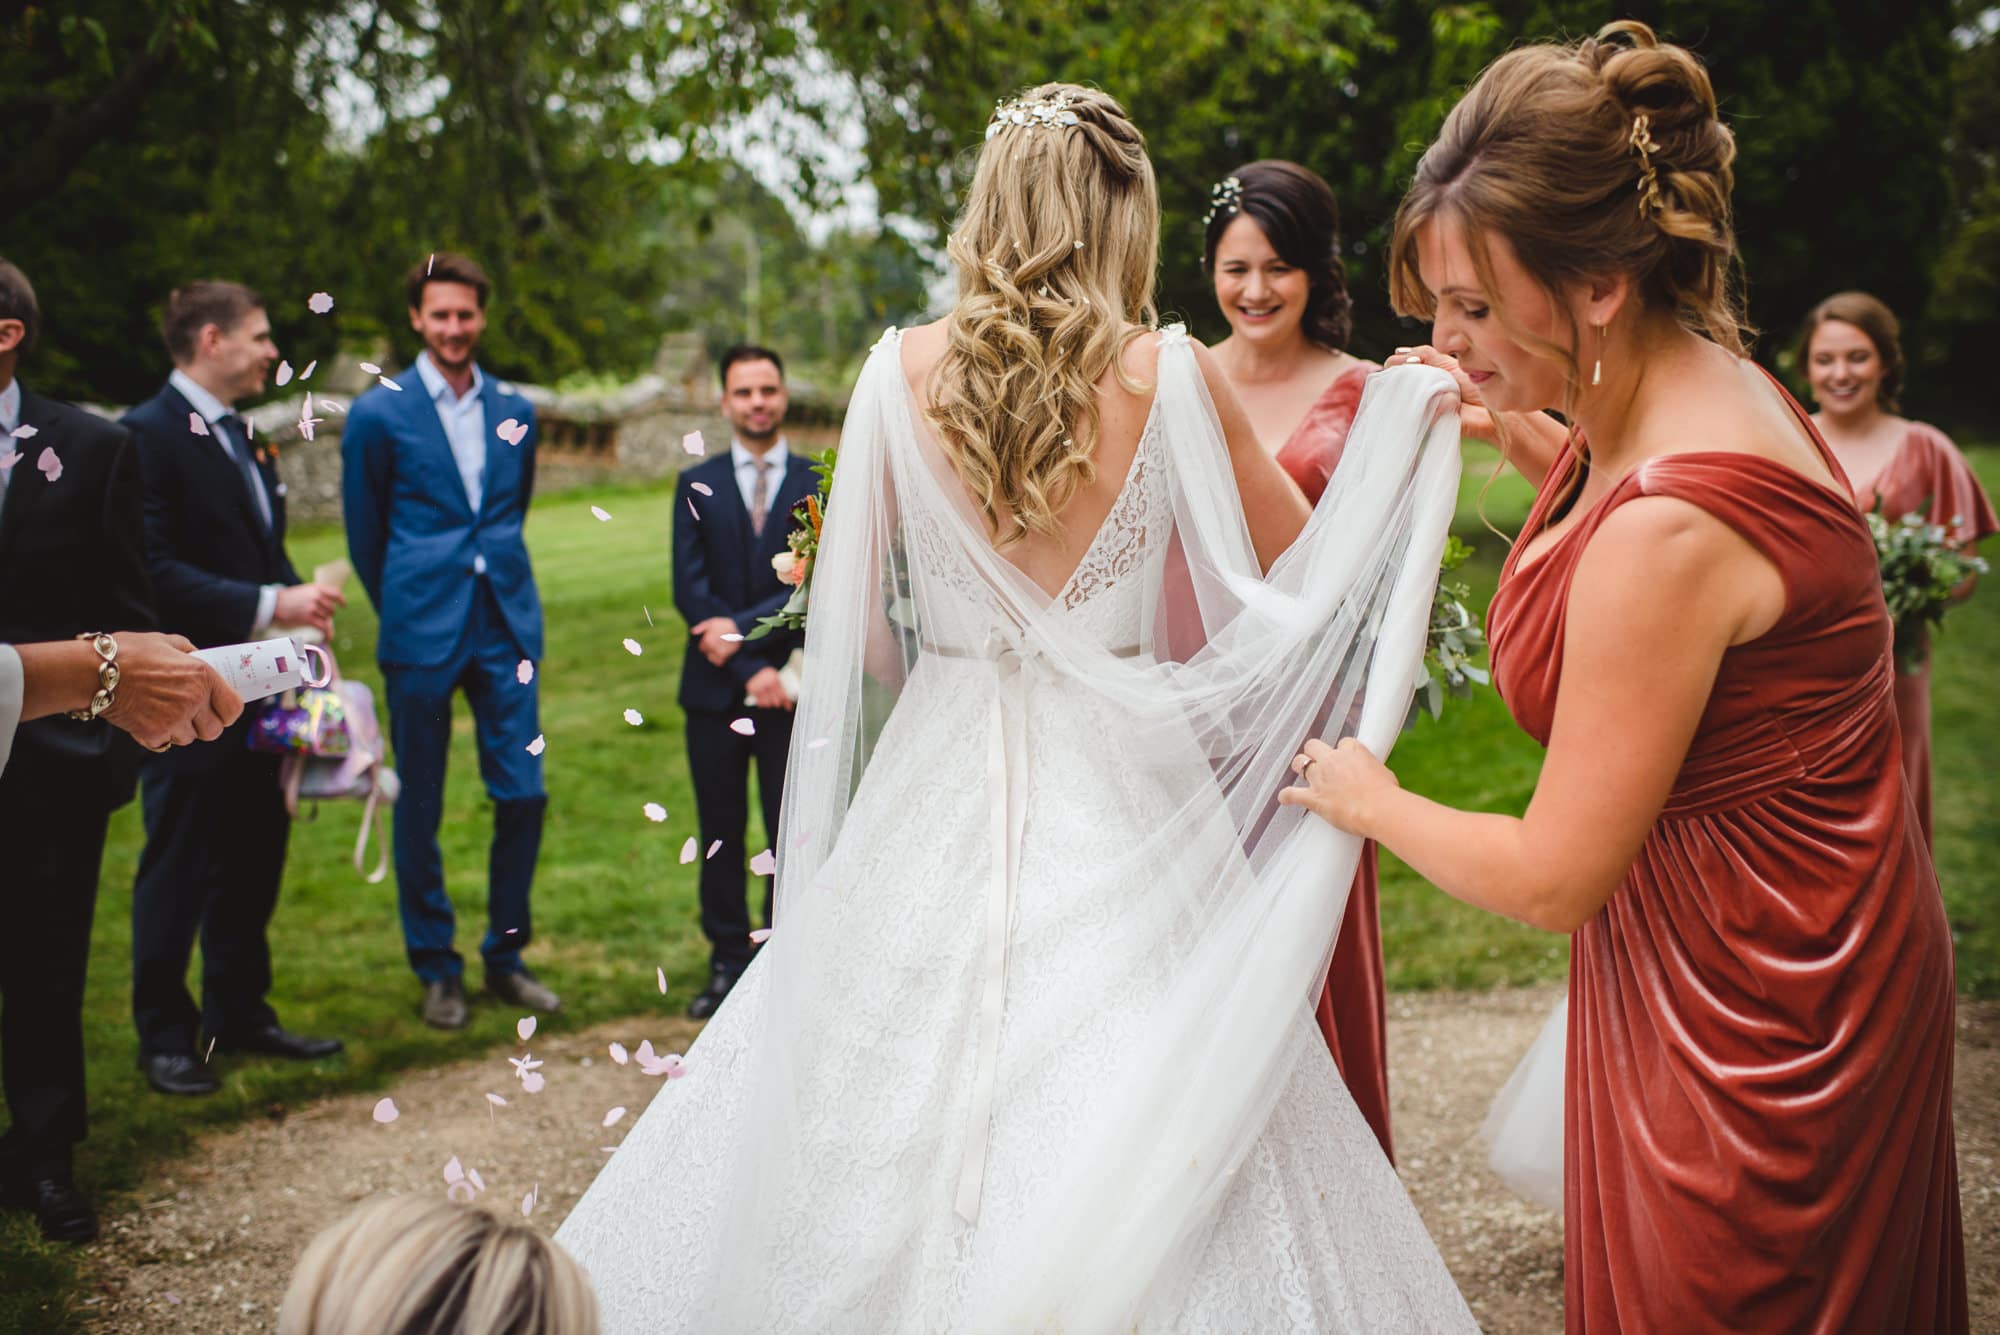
{"x": 1642, "y": 143}
{"x": 1225, "y": 197}
{"x": 1050, "y": 113}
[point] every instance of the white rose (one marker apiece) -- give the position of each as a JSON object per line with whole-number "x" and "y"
{"x": 784, "y": 562}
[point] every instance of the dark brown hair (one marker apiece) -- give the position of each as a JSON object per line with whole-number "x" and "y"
{"x": 1872, "y": 317}
{"x": 1300, "y": 217}
{"x": 747, "y": 352}
{"x": 1544, "y": 151}
{"x": 192, "y": 308}
{"x": 445, "y": 267}
{"x": 17, "y": 302}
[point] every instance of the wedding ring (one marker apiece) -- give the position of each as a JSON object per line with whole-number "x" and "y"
{"x": 162, "y": 747}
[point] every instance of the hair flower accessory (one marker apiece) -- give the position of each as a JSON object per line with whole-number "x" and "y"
{"x": 1642, "y": 143}
{"x": 1049, "y": 113}
{"x": 1226, "y": 196}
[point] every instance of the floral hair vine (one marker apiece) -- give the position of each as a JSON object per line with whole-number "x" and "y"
{"x": 1225, "y": 197}
{"x": 1641, "y": 140}
{"x": 1049, "y": 113}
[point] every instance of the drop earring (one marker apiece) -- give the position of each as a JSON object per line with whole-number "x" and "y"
{"x": 1597, "y": 368}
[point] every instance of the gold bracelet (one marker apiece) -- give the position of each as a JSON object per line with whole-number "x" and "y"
{"x": 107, "y": 676}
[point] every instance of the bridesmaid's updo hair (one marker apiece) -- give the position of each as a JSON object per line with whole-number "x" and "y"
{"x": 1299, "y": 216}
{"x": 1872, "y": 317}
{"x": 1598, "y": 157}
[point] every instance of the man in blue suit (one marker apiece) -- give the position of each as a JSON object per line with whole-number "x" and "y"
{"x": 732, "y": 515}
{"x": 435, "y": 483}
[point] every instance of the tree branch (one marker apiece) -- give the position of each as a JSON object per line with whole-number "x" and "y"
{"x": 39, "y": 172}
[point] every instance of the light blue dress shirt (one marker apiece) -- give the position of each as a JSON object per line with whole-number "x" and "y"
{"x": 464, "y": 420}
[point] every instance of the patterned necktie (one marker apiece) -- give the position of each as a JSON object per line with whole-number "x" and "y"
{"x": 760, "y": 497}
{"x": 237, "y": 439}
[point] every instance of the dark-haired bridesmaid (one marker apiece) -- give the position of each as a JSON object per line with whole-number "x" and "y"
{"x": 1852, "y": 352}
{"x": 1272, "y": 247}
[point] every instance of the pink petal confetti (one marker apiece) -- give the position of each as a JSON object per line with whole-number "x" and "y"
{"x": 9, "y": 459}
{"x": 429, "y": 262}
{"x": 654, "y": 812}
{"x": 319, "y": 303}
{"x": 460, "y": 1192}
{"x": 817, "y": 742}
{"x": 528, "y": 1201}
{"x": 701, "y": 487}
{"x": 196, "y": 425}
{"x": 472, "y": 1175}
{"x": 329, "y": 405}
{"x": 648, "y": 612}
{"x": 712, "y": 850}
{"x": 512, "y": 431}
{"x": 690, "y": 851}
{"x": 760, "y": 936}
{"x": 496, "y": 1100}
{"x": 743, "y": 727}
{"x": 50, "y": 465}
{"x": 387, "y": 383}
{"x": 632, "y": 647}
{"x": 692, "y": 511}
{"x": 619, "y": 1055}
{"x": 371, "y": 368}
{"x": 524, "y": 672}
{"x": 533, "y": 1082}
{"x": 25, "y": 432}
{"x": 634, "y": 717}
{"x": 524, "y": 1065}
{"x": 249, "y": 429}
{"x": 307, "y": 373}
{"x": 603, "y": 515}
{"x": 454, "y": 1171}
{"x": 612, "y": 1118}
{"x": 693, "y": 444}
{"x": 734, "y": 638}
{"x": 537, "y": 746}
{"x": 525, "y": 1027}
{"x": 284, "y": 376}
{"x": 209, "y": 1053}
{"x": 661, "y": 975}
{"x": 764, "y": 864}
{"x": 385, "y": 1111}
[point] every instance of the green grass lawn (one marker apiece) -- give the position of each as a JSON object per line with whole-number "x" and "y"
{"x": 612, "y": 901}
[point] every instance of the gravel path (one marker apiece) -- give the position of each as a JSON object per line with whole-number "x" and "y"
{"x": 208, "y": 1242}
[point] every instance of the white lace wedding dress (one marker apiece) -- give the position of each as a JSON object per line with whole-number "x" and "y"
{"x": 944, "y": 1081}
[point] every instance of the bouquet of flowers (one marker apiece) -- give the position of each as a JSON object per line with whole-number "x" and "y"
{"x": 1456, "y": 637}
{"x": 794, "y": 565}
{"x": 1922, "y": 567}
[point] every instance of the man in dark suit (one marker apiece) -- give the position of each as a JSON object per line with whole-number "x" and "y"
{"x": 732, "y": 515}
{"x": 435, "y": 483}
{"x": 216, "y": 825}
{"x": 72, "y": 562}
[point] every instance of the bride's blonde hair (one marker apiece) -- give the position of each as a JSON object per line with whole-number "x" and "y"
{"x": 1055, "y": 250}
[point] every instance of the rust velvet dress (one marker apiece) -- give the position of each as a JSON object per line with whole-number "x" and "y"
{"x": 1927, "y": 475}
{"x": 1758, "y": 1096}
{"x": 1352, "y": 1007}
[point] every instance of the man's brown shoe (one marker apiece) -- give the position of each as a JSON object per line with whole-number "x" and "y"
{"x": 523, "y": 989}
{"x": 444, "y": 1004}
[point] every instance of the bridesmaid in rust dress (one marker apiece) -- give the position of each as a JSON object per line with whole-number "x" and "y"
{"x": 1853, "y": 357}
{"x": 1272, "y": 246}
{"x": 1757, "y": 1104}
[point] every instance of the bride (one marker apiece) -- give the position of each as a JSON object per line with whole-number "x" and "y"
{"x": 1032, "y": 1045}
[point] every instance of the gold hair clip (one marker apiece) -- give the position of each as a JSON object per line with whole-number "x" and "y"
{"x": 1641, "y": 140}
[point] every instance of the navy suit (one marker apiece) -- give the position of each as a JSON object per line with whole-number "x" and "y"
{"x": 216, "y": 825}
{"x": 72, "y": 559}
{"x": 415, "y": 541}
{"x": 723, "y": 568}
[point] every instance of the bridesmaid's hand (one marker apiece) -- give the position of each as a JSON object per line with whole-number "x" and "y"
{"x": 1342, "y": 784}
{"x": 1474, "y": 419}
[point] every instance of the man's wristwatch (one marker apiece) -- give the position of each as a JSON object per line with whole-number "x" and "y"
{"x": 107, "y": 676}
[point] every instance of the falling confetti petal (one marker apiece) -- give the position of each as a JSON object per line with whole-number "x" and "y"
{"x": 209, "y": 1053}
{"x": 472, "y": 1175}
{"x": 696, "y": 513}
{"x": 387, "y": 383}
{"x": 612, "y": 1118}
{"x": 533, "y": 1082}
{"x": 307, "y": 373}
{"x": 524, "y": 672}
{"x": 454, "y": 1171}
{"x": 734, "y": 638}
{"x": 690, "y": 851}
{"x": 371, "y": 368}
{"x": 743, "y": 727}
{"x": 816, "y": 743}
{"x": 196, "y": 425}
{"x": 655, "y": 812}
{"x": 385, "y": 1110}
{"x": 702, "y": 487}
{"x": 648, "y": 612}
{"x": 512, "y": 431}
{"x": 692, "y": 443}
{"x": 634, "y": 717}
{"x": 428, "y": 263}
{"x": 50, "y": 465}
{"x": 284, "y": 376}
{"x": 712, "y": 850}
{"x": 764, "y": 863}
{"x": 25, "y": 432}
{"x": 525, "y": 1027}
{"x": 496, "y": 1100}
{"x": 10, "y": 458}
{"x": 460, "y": 1192}
{"x": 632, "y": 647}
{"x": 603, "y": 515}
{"x": 760, "y": 936}
{"x": 528, "y": 1201}
{"x": 619, "y": 1055}
{"x": 661, "y": 975}
{"x": 536, "y": 747}
{"x": 319, "y": 303}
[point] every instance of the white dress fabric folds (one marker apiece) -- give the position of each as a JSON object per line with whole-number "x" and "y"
{"x": 1031, "y": 1047}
